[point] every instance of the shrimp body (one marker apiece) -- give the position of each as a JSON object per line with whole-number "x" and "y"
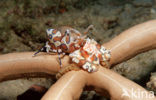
{"x": 84, "y": 52}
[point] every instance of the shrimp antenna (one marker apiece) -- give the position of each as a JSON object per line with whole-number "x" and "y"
{"x": 40, "y": 50}
{"x": 90, "y": 27}
{"x": 60, "y": 59}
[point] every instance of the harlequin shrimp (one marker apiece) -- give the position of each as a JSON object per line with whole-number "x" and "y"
{"x": 84, "y": 52}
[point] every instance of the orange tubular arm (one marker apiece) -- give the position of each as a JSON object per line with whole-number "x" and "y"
{"x": 17, "y": 65}
{"x": 129, "y": 43}
{"x": 133, "y": 41}
{"x": 104, "y": 81}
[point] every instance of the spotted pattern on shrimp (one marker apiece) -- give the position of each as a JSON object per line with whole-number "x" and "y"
{"x": 90, "y": 55}
{"x": 84, "y": 52}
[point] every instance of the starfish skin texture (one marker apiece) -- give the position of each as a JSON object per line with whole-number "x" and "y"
{"x": 129, "y": 43}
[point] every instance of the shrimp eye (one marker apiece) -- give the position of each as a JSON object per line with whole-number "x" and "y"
{"x": 50, "y": 36}
{"x": 67, "y": 31}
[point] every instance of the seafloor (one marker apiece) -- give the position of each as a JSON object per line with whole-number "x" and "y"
{"x": 23, "y": 24}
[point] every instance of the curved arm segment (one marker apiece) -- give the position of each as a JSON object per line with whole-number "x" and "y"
{"x": 139, "y": 38}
